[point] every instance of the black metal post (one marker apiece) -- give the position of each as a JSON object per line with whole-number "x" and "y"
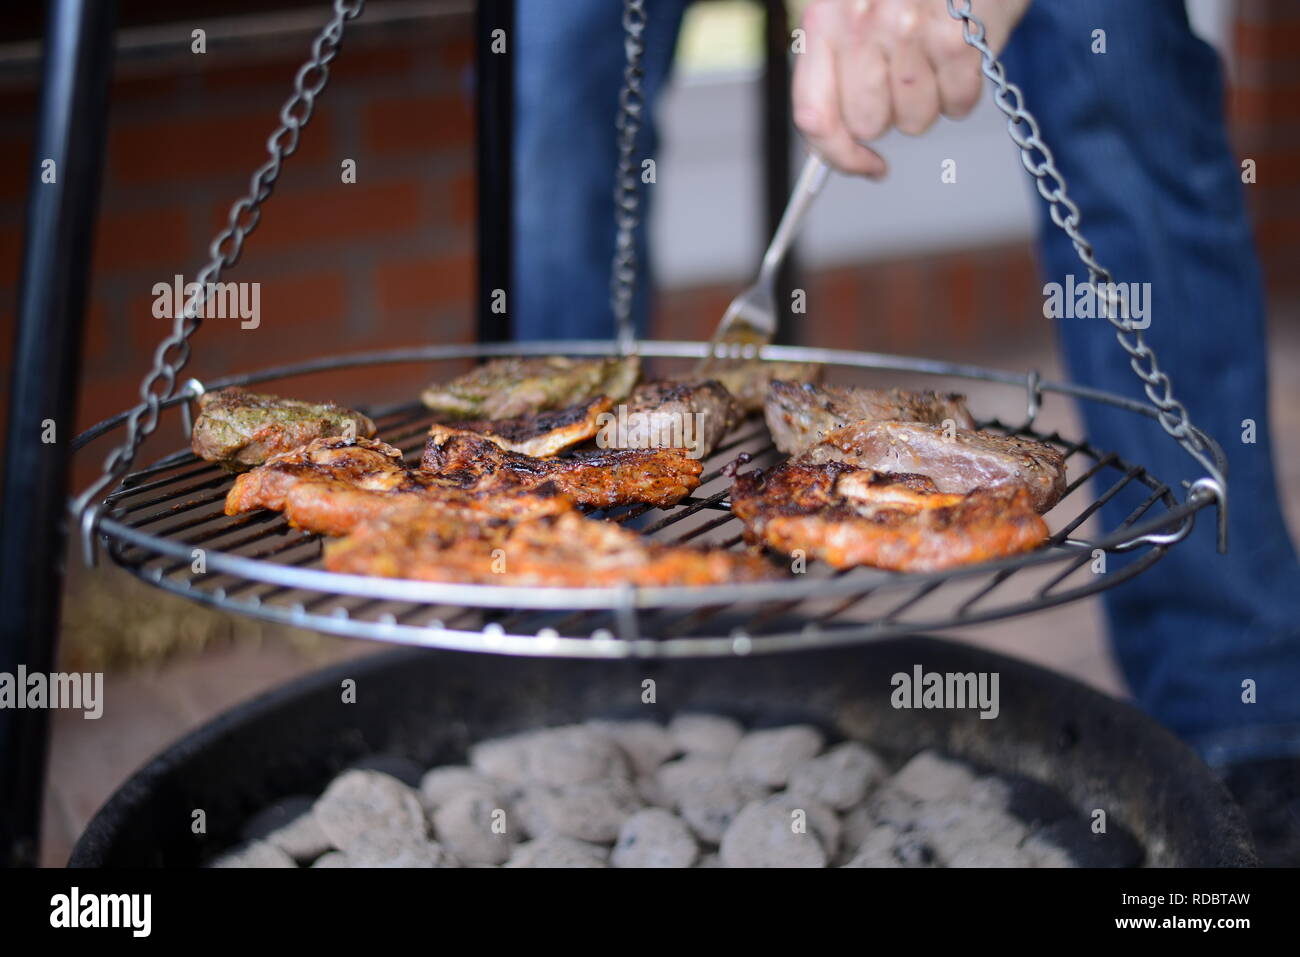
{"x": 777, "y": 119}
{"x": 67, "y": 160}
{"x": 494, "y": 155}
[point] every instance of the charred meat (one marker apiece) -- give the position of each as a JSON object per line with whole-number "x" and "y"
{"x": 601, "y": 478}
{"x": 847, "y": 517}
{"x": 799, "y": 414}
{"x": 544, "y": 433}
{"x": 510, "y": 388}
{"x": 747, "y": 379}
{"x": 960, "y": 460}
{"x": 330, "y": 486}
{"x": 240, "y": 429}
{"x": 566, "y": 550}
{"x": 674, "y": 415}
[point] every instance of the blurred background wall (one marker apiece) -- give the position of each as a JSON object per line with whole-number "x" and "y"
{"x": 389, "y": 261}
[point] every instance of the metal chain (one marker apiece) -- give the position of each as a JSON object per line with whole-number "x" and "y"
{"x": 173, "y": 353}
{"x": 627, "y": 215}
{"x": 1051, "y": 186}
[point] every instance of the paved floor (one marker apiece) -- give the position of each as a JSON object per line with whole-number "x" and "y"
{"x": 148, "y": 708}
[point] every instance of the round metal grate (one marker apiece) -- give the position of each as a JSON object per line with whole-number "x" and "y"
{"x": 165, "y": 523}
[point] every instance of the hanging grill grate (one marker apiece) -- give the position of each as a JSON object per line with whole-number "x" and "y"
{"x": 165, "y": 523}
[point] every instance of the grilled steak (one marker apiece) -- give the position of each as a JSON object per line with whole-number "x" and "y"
{"x": 509, "y": 388}
{"x": 330, "y": 486}
{"x": 966, "y": 461}
{"x": 566, "y": 550}
{"x": 240, "y": 429}
{"x": 747, "y": 379}
{"x": 665, "y": 414}
{"x": 545, "y": 433}
{"x": 800, "y": 413}
{"x": 847, "y": 517}
{"x": 599, "y": 479}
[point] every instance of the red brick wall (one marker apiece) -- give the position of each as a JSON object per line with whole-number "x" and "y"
{"x": 1265, "y": 111}
{"x": 383, "y": 262}
{"x": 945, "y": 305}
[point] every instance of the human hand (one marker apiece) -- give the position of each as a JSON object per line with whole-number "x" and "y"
{"x": 873, "y": 65}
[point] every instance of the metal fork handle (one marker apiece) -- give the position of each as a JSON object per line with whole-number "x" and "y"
{"x": 811, "y": 179}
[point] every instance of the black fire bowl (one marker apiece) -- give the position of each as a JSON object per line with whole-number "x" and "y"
{"x": 429, "y": 706}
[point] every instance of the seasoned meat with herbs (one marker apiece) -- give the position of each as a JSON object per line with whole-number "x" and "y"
{"x": 960, "y": 461}
{"x": 545, "y": 433}
{"x": 566, "y": 550}
{"x": 799, "y": 414}
{"x": 240, "y": 429}
{"x": 510, "y": 388}
{"x": 847, "y": 517}
{"x": 598, "y": 479}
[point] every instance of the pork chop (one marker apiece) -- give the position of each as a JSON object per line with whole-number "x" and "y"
{"x": 668, "y": 414}
{"x": 846, "y": 517}
{"x": 599, "y": 478}
{"x": 799, "y": 414}
{"x": 958, "y": 460}
{"x": 329, "y": 487}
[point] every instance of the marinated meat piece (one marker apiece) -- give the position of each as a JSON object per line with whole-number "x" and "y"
{"x": 961, "y": 463}
{"x": 747, "y": 379}
{"x": 395, "y": 545}
{"x": 509, "y": 388}
{"x": 546, "y": 433}
{"x": 598, "y": 479}
{"x": 330, "y": 485}
{"x": 665, "y": 414}
{"x": 240, "y": 429}
{"x": 355, "y": 463}
{"x": 567, "y": 550}
{"x": 336, "y": 508}
{"x": 847, "y": 517}
{"x": 799, "y": 414}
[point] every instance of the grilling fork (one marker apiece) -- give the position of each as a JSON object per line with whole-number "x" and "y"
{"x": 750, "y": 320}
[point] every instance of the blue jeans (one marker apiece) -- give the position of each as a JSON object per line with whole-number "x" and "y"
{"x": 569, "y": 61}
{"x": 1139, "y": 135}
